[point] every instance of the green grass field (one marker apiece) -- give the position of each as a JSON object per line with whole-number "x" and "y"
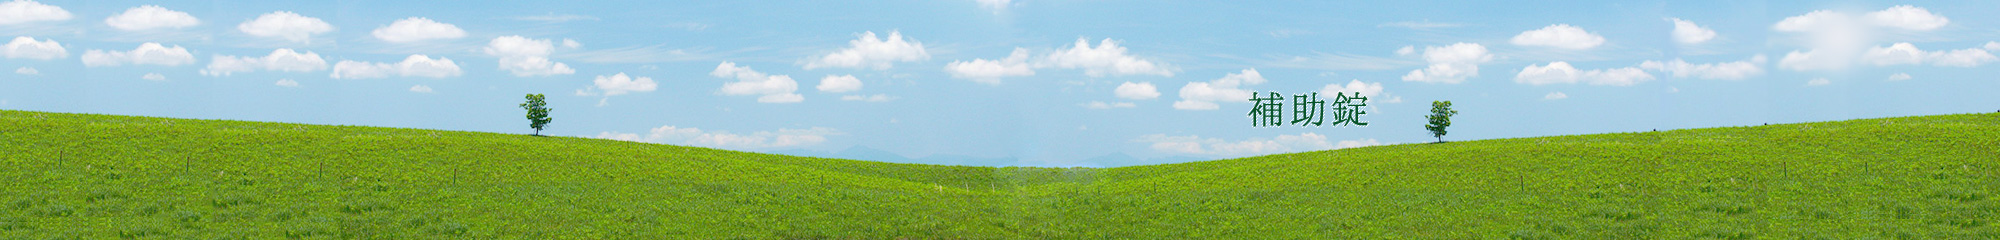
{"x": 79, "y": 176}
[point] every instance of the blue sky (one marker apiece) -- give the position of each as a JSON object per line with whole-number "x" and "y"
{"x": 1026, "y": 82}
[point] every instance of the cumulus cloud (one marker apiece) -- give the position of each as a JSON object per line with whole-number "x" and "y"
{"x": 1450, "y": 64}
{"x": 871, "y": 52}
{"x": 1559, "y": 36}
{"x": 841, "y": 83}
{"x": 1196, "y": 145}
{"x": 27, "y": 11}
{"x": 416, "y": 65}
{"x": 1555, "y": 96}
{"x": 146, "y": 54}
{"x": 1104, "y": 105}
{"x": 1899, "y": 77}
{"x": 154, "y": 77}
{"x": 1562, "y": 72}
{"x": 151, "y": 17}
{"x": 1835, "y": 40}
{"x": 1106, "y": 58}
{"x": 618, "y": 84}
{"x": 990, "y": 71}
{"x": 1737, "y": 70}
{"x": 1908, "y": 54}
{"x": 1204, "y": 95}
{"x": 27, "y": 71}
{"x": 285, "y": 25}
{"x": 420, "y": 89}
{"x": 1907, "y": 17}
{"x": 771, "y": 88}
{"x": 1371, "y": 90}
{"x": 782, "y": 138}
{"x": 417, "y": 29}
{"x": 526, "y": 57}
{"x": 868, "y": 98}
{"x": 1686, "y": 32}
{"x": 28, "y": 48}
{"x": 1992, "y": 46}
{"x": 1136, "y": 91}
{"x": 283, "y": 59}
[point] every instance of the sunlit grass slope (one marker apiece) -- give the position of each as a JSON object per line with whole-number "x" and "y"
{"x": 79, "y": 176}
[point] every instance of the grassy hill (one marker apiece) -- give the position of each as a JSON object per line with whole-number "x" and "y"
{"x": 80, "y": 176}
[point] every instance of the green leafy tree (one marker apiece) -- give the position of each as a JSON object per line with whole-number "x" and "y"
{"x": 538, "y": 113}
{"x": 1440, "y": 118}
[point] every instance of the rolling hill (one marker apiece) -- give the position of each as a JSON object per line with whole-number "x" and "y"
{"x": 83, "y": 176}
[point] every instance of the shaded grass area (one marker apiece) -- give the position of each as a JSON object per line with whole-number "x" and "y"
{"x": 99, "y": 176}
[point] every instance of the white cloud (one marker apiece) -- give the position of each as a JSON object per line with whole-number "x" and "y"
{"x": 772, "y": 88}
{"x": 782, "y": 138}
{"x": 1562, "y": 72}
{"x": 1908, "y": 54}
{"x": 1406, "y": 50}
{"x": 571, "y": 43}
{"x": 868, "y": 98}
{"x": 420, "y": 89}
{"x": 283, "y": 59}
{"x": 286, "y": 25}
{"x": 869, "y": 51}
{"x": 1992, "y": 46}
{"x": 1371, "y": 90}
{"x": 1818, "y": 82}
{"x": 1899, "y": 77}
{"x": 1813, "y": 60}
{"x": 151, "y": 17}
{"x": 27, "y": 71}
{"x": 618, "y": 84}
{"x": 147, "y": 54}
{"x": 1103, "y": 105}
{"x": 1196, "y": 145}
{"x": 1834, "y": 40}
{"x": 1737, "y": 70}
{"x": 842, "y": 83}
{"x": 26, "y": 11}
{"x": 1204, "y": 95}
{"x": 526, "y": 57}
{"x": 995, "y": 5}
{"x": 1559, "y": 36}
{"x": 286, "y": 83}
{"x": 154, "y": 77}
{"x": 416, "y": 65}
{"x": 1450, "y": 64}
{"x": 1137, "y": 91}
{"x": 417, "y": 29}
{"x": 1686, "y": 32}
{"x": 1907, "y": 17}
{"x": 27, "y": 47}
{"x": 1106, "y": 58}
{"x": 990, "y": 71}
{"x": 1555, "y": 96}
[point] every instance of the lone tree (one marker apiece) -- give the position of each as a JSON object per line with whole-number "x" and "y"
{"x": 1440, "y": 118}
{"x": 538, "y": 112}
